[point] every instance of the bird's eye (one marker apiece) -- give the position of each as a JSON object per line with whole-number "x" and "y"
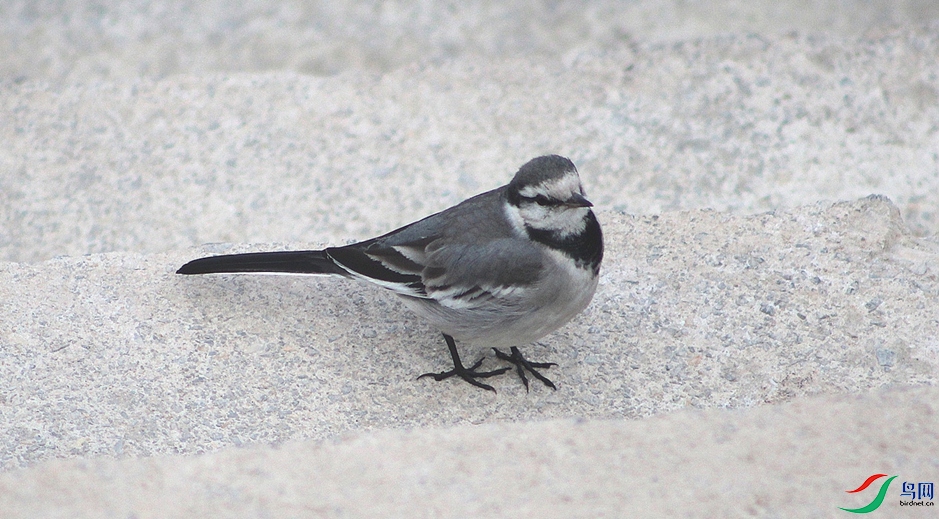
{"x": 543, "y": 200}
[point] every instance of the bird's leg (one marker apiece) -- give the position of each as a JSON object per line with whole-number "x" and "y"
{"x": 521, "y": 365}
{"x": 468, "y": 374}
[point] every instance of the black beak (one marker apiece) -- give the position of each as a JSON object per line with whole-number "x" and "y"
{"x": 577, "y": 200}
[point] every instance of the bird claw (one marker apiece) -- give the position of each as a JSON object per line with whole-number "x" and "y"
{"x": 522, "y": 365}
{"x": 468, "y": 374}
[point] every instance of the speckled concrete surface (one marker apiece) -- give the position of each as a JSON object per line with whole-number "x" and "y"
{"x": 745, "y": 124}
{"x": 763, "y": 329}
{"x": 790, "y": 460}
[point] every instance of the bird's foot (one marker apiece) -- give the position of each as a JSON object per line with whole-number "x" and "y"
{"x": 522, "y": 365}
{"x": 468, "y": 374}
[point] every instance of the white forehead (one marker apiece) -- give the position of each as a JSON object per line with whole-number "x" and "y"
{"x": 560, "y": 188}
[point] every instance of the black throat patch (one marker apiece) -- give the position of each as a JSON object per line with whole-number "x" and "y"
{"x": 585, "y": 248}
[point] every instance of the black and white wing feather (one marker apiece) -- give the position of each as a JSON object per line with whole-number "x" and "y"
{"x": 441, "y": 258}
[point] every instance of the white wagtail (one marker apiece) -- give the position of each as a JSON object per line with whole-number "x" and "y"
{"x": 503, "y": 268}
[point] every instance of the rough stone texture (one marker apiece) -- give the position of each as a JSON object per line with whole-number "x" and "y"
{"x": 791, "y": 460}
{"x": 112, "y": 355}
{"x": 745, "y": 124}
{"x": 764, "y": 336}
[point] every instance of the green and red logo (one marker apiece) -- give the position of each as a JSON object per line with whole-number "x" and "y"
{"x": 918, "y": 494}
{"x": 875, "y": 504}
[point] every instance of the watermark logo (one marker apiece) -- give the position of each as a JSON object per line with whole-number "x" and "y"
{"x": 875, "y": 504}
{"x": 919, "y": 494}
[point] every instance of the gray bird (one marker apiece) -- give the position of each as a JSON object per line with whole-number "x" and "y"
{"x": 503, "y": 268}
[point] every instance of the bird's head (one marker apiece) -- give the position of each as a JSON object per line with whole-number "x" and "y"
{"x": 546, "y": 196}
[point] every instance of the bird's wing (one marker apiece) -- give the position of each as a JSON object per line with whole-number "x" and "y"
{"x": 455, "y": 273}
{"x": 462, "y": 275}
{"x": 382, "y": 265}
{"x": 416, "y": 262}
{"x": 464, "y": 253}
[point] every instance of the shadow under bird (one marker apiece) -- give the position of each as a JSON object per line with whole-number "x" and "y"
{"x": 503, "y": 268}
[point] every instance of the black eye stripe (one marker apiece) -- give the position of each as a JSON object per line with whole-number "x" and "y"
{"x": 542, "y": 200}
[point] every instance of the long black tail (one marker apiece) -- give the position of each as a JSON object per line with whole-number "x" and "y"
{"x": 285, "y": 262}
